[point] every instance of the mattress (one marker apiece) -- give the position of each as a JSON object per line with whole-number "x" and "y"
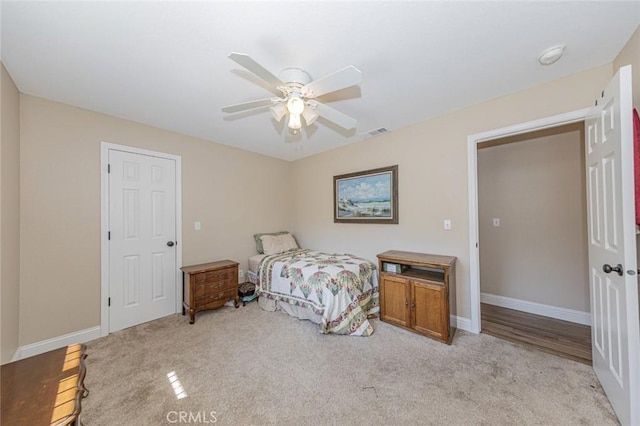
{"x": 254, "y": 262}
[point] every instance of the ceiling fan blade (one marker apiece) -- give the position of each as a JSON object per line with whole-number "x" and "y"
{"x": 251, "y": 65}
{"x": 341, "y": 119}
{"x": 248, "y": 105}
{"x": 345, "y": 77}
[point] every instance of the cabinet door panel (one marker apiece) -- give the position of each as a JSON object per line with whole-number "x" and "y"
{"x": 394, "y": 300}
{"x": 428, "y": 309}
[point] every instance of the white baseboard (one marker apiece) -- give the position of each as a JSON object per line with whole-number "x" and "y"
{"x": 16, "y": 356}
{"x": 571, "y": 315}
{"x": 58, "y": 342}
{"x": 461, "y": 323}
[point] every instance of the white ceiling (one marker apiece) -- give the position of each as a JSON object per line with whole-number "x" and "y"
{"x": 165, "y": 63}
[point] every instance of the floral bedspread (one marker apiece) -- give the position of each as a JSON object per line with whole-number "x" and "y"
{"x": 342, "y": 288}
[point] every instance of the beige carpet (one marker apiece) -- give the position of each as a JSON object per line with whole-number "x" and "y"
{"x": 255, "y": 367}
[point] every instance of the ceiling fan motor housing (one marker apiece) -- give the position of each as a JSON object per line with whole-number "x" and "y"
{"x": 295, "y": 76}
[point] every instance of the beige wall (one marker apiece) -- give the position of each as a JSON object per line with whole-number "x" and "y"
{"x": 535, "y": 185}
{"x": 432, "y": 159}
{"x": 233, "y": 193}
{"x": 630, "y": 54}
{"x": 10, "y": 216}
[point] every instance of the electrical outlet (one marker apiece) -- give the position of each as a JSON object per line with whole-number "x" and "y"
{"x": 196, "y": 226}
{"x": 447, "y": 224}
{"x": 496, "y": 222}
{"x": 240, "y": 276}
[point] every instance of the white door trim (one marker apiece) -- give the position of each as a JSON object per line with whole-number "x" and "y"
{"x": 105, "y": 147}
{"x": 472, "y": 169}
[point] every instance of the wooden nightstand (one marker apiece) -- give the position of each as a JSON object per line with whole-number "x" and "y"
{"x": 209, "y": 286}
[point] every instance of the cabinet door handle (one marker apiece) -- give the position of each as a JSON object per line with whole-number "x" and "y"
{"x": 406, "y": 302}
{"x": 413, "y": 305}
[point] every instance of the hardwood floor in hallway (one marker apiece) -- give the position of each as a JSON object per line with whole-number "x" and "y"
{"x": 562, "y": 338}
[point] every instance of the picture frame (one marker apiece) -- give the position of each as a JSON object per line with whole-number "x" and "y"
{"x": 369, "y": 196}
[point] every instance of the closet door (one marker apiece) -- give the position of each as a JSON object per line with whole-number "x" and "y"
{"x": 142, "y": 251}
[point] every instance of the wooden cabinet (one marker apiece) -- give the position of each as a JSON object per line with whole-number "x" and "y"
{"x": 417, "y": 292}
{"x": 209, "y": 286}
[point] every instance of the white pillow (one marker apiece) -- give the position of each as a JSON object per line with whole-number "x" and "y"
{"x": 276, "y": 244}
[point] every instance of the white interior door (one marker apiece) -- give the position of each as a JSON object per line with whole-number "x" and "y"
{"x": 612, "y": 248}
{"x": 142, "y": 226}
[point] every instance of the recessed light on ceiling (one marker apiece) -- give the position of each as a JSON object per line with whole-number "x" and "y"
{"x": 551, "y": 55}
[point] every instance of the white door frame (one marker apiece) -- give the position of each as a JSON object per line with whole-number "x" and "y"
{"x": 472, "y": 168}
{"x": 105, "y": 147}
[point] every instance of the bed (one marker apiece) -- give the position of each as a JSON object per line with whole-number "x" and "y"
{"x": 338, "y": 291}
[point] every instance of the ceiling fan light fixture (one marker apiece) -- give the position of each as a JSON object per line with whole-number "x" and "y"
{"x": 294, "y": 122}
{"x": 295, "y": 105}
{"x": 278, "y": 111}
{"x": 309, "y": 116}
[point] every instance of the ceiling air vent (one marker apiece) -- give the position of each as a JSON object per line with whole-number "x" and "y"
{"x": 373, "y": 133}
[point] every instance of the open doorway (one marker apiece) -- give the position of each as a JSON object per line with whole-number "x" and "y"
{"x": 532, "y": 220}
{"x": 534, "y": 285}
{"x": 612, "y": 243}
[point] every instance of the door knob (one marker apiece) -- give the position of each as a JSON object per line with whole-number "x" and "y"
{"x": 608, "y": 269}
{"x": 170, "y": 243}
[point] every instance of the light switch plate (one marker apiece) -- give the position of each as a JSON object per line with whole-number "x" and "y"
{"x": 196, "y": 226}
{"x": 496, "y": 222}
{"x": 447, "y": 224}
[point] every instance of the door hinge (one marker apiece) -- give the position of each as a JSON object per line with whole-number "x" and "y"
{"x": 108, "y": 168}
{"x": 109, "y": 235}
{"x": 109, "y": 302}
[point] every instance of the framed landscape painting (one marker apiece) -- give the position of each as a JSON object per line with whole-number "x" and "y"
{"x": 370, "y": 196}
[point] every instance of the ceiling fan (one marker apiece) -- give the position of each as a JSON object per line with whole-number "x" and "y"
{"x": 298, "y": 92}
